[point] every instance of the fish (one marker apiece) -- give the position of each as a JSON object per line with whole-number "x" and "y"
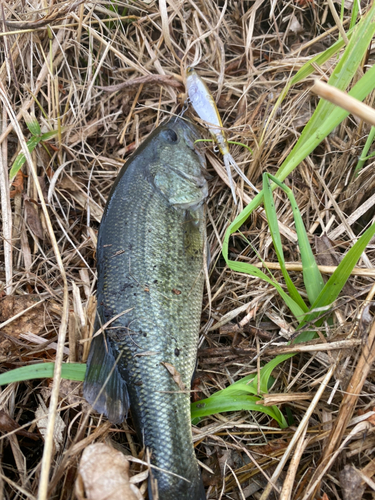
{"x": 204, "y": 105}
{"x": 150, "y": 255}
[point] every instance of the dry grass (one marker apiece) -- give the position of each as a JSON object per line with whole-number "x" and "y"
{"x": 105, "y": 75}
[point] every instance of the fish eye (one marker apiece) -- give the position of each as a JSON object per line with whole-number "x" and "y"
{"x": 170, "y": 135}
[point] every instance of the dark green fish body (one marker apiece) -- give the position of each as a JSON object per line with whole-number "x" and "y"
{"x": 150, "y": 267}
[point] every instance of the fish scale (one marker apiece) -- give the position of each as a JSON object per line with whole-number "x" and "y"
{"x": 150, "y": 264}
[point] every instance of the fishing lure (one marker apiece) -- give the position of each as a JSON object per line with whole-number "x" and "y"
{"x": 205, "y": 107}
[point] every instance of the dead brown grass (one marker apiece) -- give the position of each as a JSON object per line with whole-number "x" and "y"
{"x": 106, "y": 74}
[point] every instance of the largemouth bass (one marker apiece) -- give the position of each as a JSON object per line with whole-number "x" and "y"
{"x": 150, "y": 284}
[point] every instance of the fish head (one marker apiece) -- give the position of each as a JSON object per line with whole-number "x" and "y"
{"x": 178, "y": 170}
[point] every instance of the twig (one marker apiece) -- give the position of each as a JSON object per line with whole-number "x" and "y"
{"x": 345, "y": 101}
{"x": 352, "y": 217}
{"x": 38, "y": 85}
{"x": 48, "y": 446}
{"x": 349, "y": 401}
{"x": 6, "y": 211}
{"x": 299, "y": 431}
{"x": 286, "y": 492}
{"x": 296, "y": 266}
{"x": 361, "y": 428}
{"x": 338, "y": 22}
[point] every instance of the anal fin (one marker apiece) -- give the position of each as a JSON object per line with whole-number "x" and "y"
{"x": 104, "y": 388}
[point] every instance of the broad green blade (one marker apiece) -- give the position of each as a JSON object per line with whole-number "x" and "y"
{"x": 325, "y": 119}
{"x": 265, "y": 374}
{"x": 32, "y": 123}
{"x": 211, "y": 406}
{"x": 361, "y": 90}
{"x": 344, "y": 71}
{"x": 306, "y": 70}
{"x": 338, "y": 279}
{"x": 269, "y": 206}
{"x": 242, "y": 386}
{"x": 20, "y": 160}
{"x": 311, "y": 275}
{"x": 329, "y": 293}
{"x": 70, "y": 371}
{"x": 49, "y": 135}
{"x": 242, "y": 267}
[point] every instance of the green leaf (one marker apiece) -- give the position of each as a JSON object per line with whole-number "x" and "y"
{"x": 238, "y": 388}
{"x": 265, "y": 373}
{"x": 32, "y": 124}
{"x": 311, "y": 275}
{"x": 306, "y": 70}
{"x": 70, "y": 371}
{"x": 362, "y": 88}
{"x": 242, "y": 267}
{"x": 344, "y": 71}
{"x": 324, "y": 120}
{"x": 49, "y": 135}
{"x": 328, "y": 295}
{"x": 353, "y": 17}
{"x": 276, "y": 238}
{"x": 213, "y": 405}
{"x": 364, "y": 156}
{"x": 20, "y": 160}
{"x": 338, "y": 279}
{"x": 300, "y": 151}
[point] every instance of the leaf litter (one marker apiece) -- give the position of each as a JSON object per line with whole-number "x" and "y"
{"x": 101, "y": 77}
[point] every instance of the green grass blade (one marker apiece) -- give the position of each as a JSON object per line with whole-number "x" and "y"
{"x": 32, "y": 124}
{"x": 269, "y": 206}
{"x": 20, "y": 160}
{"x": 241, "y": 144}
{"x": 354, "y": 14}
{"x": 49, "y": 135}
{"x": 361, "y": 90}
{"x": 239, "y": 388}
{"x": 364, "y": 156}
{"x": 265, "y": 374}
{"x": 242, "y": 386}
{"x": 211, "y": 406}
{"x": 70, "y": 371}
{"x": 241, "y": 267}
{"x": 311, "y": 275}
{"x": 329, "y": 293}
{"x": 325, "y": 119}
{"x": 363, "y": 87}
{"x": 344, "y": 71}
{"x": 338, "y": 279}
{"x": 306, "y": 70}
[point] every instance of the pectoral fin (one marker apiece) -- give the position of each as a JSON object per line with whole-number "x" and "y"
{"x": 104, "y": 388}
{"x": 181, "y": 190}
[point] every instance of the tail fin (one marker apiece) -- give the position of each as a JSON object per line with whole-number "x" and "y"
{"x": 104, "y": 388}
